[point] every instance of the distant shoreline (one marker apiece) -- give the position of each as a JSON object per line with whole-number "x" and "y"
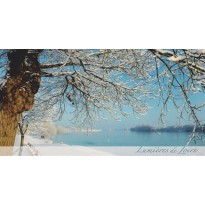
{"x": 185, "y": 128}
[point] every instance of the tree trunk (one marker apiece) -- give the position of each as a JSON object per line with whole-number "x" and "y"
{"x": 17, "y": 95}
{"x": 22, "y": 128}
{"x": 8, "y": 127}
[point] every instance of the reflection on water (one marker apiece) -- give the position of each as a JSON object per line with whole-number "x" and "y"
{"x": 126, "y": 138}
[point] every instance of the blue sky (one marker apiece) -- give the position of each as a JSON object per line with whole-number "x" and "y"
{"x": 151, "y": 118}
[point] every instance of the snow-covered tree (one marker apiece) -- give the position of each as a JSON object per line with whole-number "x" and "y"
{"x": 38, "y": 121}
{"x": 91, "y": 81}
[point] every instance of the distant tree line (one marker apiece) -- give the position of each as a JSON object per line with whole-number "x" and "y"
{"x": 185, "y": 128}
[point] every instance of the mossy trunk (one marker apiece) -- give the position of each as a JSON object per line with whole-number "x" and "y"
{"x": 17, "y": 95}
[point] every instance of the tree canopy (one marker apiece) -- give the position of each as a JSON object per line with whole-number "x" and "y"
{"x": 93, "y": 80}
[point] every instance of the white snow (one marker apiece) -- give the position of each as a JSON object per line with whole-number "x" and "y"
{"x": 175, "y": 59}
{"x": 2, "y": 82}
{"x": 43, "y": 147}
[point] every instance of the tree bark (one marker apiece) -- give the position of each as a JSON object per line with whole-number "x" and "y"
{"x": 8, "y": 127}
{"x": 17, "y": 95}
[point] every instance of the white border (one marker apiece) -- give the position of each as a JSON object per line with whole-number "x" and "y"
{"x": 102, "y": 180}
{"x": 102, "y": 24}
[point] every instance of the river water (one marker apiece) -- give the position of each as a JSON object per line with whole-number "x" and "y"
{"x": 126, "y": 138}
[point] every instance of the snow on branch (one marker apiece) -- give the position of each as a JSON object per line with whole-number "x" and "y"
{"x": 90, "y": 81}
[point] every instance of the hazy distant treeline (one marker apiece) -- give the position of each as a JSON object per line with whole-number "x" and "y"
{"x": 185, "y": 128}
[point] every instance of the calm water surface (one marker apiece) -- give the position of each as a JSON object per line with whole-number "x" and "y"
{"x": 125, "y": 138}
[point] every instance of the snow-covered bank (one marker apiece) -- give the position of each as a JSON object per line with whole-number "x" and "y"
{"x": 35, "y": 146}
{"x": 62, "y": 129}
{"x": 43, "y": 147}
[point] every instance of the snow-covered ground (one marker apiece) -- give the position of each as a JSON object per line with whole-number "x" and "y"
{"x": 35, "y": 146}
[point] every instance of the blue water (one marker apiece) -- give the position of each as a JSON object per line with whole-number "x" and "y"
{"x": 126, "y": 138}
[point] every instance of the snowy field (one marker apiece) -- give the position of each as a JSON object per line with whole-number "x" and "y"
{"x": 35, "y": 146}
{"x": 44, "y": 147}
